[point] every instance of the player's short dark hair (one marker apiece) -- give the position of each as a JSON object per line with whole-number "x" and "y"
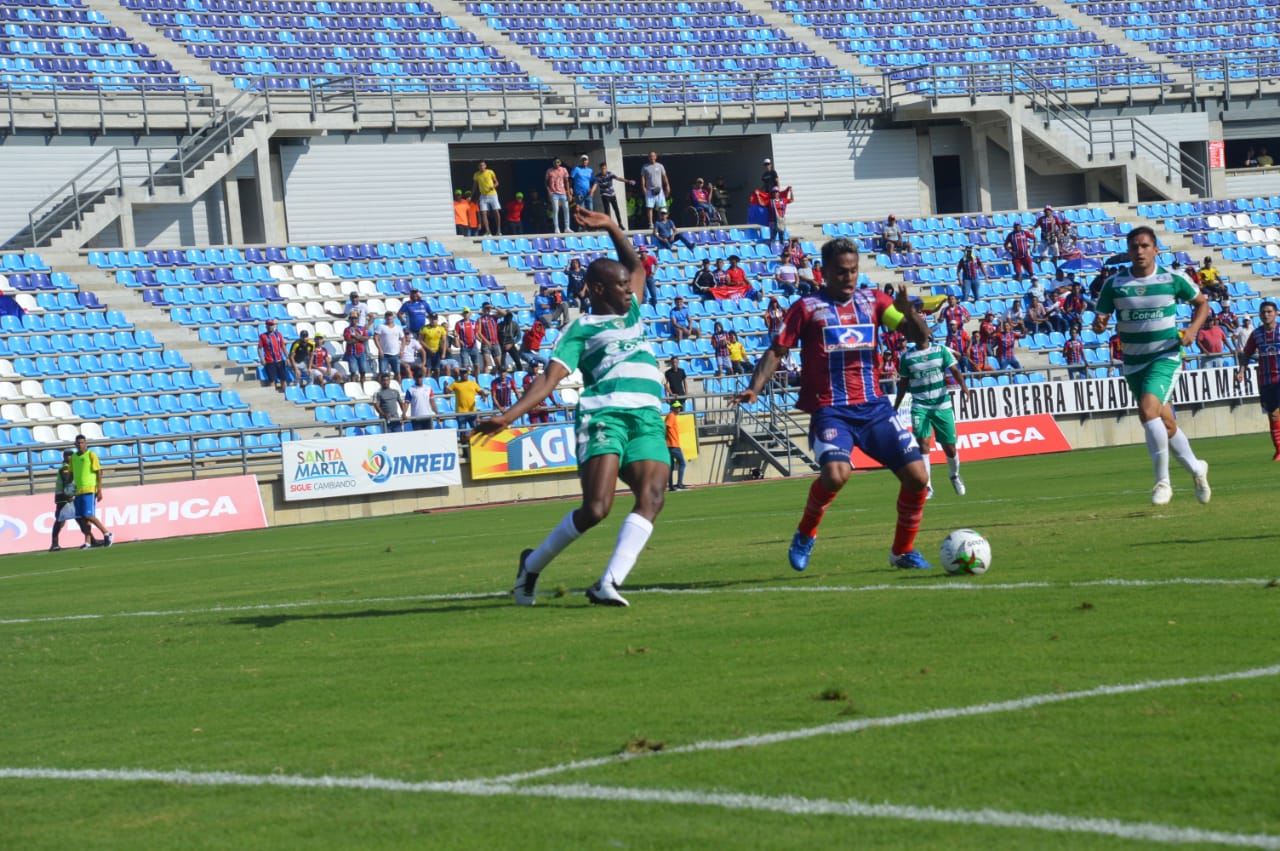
{"x": 833, "y": 248}
{"x": 1139, "y": 231}
{"x": 1270, "y": 304}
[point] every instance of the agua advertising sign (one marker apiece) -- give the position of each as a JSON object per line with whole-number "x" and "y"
{"x": 378, "y": 463}
{"x": 538, "y": 450}
{"x": 139, "y": 513}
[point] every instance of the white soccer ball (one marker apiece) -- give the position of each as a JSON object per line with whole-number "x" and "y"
{"x": 964, "y": 551}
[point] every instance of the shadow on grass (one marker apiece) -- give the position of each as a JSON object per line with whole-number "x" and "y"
{"x": 269, "y": 621}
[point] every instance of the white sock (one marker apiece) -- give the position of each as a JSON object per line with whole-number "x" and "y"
{"x": 632, "y": 537}
{"x": 953, "y": 464}
{"x": 1181, "y": 449}
{"x": 562, "y": 536}
{"x": 1158, "y": 447}
{"x": 928, "y": 466}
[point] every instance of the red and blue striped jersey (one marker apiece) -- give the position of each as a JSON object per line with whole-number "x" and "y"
{"x": 1019, "y": 243}
{"x": 271, "y": 347}
{"x": 1265, "y": 343}
{"x": 838, "y": 344}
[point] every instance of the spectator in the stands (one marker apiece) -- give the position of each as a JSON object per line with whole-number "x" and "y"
{"x": 1037, "y": 319}
{"x": 549, "y": 306}
{"x": 978, "y": 357}
{"x": 665, "y": 230}
{"x": 817, "y": 274}
{"x": 720, "y": 198}
{"x": 1073, "y": 305}
{"x": 704, "y": 281}
{"x": 354, "y": 305}
{"x": 1006, "y": 346}
{"x": 738, "y": 362}
{"x": 988, "y": 327}
{"x": 1214, "y": 343}
{"x": 806, "y": 281}
{"x": 736, "y": 276}
{"x": 1015, "y": 317}
{"x": 583, "y": 179}
{"x": 389, "y": 336}
{"x": 700, "y": 201}
{"x": 774, "y": 313}
{"x": 779, "y": 201}
{"x": 461, "y": 213}
{"x": 682, "y": 327}
{"x": 1052, "y": 227}
{"x": 435, "y": 344}
{"x": 1227, "y": 317}
{"x": 575, "y": 286}
{"x": 970, "y": 270}
{"x": 1073, "y": 354}
{"x": 650, "y": 275}
{"x": 606, "y": 196}
{"x": 769, "y": 179}
{"x": 484, "y": 188}
{"x": 558, "y": 189}
{"x": 420, "y": 403}
{"x": 413, "y": 313}
{"x": 502, "y": 388}
{"x": 465, "y": 390}
{"x": 389, "y": 405}
{"x": 1211, "y": 281}
{"x": 490, "y": 344}
{"x": 954, "y": 333}
{"x": 1243, "y": 333}
{"x": 321, "y": 366}
{"x": 466, "y": 334}
{"x": 509, "y": 334}
{"x": 537, "y": 214}
{"x": 954, "y": 312}
{"x": 412, "y": 356}
{"x": 891, "y": 240}
{"x": 300, "y": 352}
{"x": 531, "y": 342}
{"x": 539, "y": 415}
{"x": 676, "y": 381}
{"x": 513, "y": 215}
{"x": 654, "y": 185}
{"x": 1264, "y": 159}
{"x": 355, "y": 339}
{"x": 273, "y": 355}
{"x": 786, "y": 275}
{"x": 1020, "y": 244}
{"x": 720, "y": 348}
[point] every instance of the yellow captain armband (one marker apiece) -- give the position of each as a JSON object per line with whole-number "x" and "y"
{"x": 892, "y": 318}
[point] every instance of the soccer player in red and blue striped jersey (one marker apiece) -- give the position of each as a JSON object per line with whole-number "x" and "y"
{"x": 836, "y": 329}
{"x": 1265, "y": 343}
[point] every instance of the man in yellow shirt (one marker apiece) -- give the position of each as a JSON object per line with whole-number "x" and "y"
{"x": 738, "y": 363}
{"x": 484, "y": 185}
{"x": 464, "y": 391}
{"x": 86, "y": 470}
{"x": 433, "y": 336}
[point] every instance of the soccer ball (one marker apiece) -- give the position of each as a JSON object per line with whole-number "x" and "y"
{"x": 965, "y": 551}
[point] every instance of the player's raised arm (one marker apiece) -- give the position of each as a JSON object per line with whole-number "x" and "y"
{"x": 765, "y": 368}
{"x": 1198, "y": 317}
{"x": 627, "y": 254}
{"x": 911, "y": 324}
{"x": 539, "y": 390}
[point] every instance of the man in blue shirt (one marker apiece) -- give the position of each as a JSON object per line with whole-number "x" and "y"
{"x": 682, "y": 326}
{"x": 664, "y": 230}
{"x": 549, "y": 308}
{"x": 582, "y": 178}
{"x": 413, "y": 313}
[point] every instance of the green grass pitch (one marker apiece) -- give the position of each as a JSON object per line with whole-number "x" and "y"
{"x": 851, "y": 706}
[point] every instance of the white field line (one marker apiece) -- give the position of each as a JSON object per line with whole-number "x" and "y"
{"x": 842, "y": 727}
{"x": 958, "y": 584}
{"x": 789, "y": 805}
{"x": 44, "y": 572}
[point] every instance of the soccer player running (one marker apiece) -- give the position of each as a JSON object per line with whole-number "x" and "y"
{"x": 620, "y": 432}
{"x": 923, "y": 372}
{"x": 1265, "y": 343}
{"x": 1145, "y": 301}
{"x": 837, "y": 329}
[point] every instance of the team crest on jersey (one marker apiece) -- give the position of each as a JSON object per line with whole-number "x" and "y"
{"x": 828, "y": 435}
{"x": 1140, "y": 290}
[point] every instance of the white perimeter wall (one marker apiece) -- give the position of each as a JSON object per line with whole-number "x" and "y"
{"x": 850, "y": 174}
{"x": 366, "y": 187}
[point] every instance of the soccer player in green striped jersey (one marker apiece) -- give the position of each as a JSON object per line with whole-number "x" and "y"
{"x": 1145, "y": 302}
{"x": 620, "y": 432}
{"x": 922, "y": 371}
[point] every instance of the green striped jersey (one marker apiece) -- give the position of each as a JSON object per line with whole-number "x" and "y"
{"x": 1146, "y": 311}
{"x": 926, "y": 373}
{"x": 619, "y": 371}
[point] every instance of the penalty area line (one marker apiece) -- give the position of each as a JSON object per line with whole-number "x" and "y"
{"x": 958, "y": 584}
{"x": 786, "y": 805}
{"x": 843, "y": 727}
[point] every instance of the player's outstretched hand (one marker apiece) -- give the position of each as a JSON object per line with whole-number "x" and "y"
{"x": 487, "y": 428}
{"x": 902, "y": 301}
{"x": 744, "y": 397}
{"x": 592, "y": 218}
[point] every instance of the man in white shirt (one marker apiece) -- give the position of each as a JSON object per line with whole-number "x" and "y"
{"x": 786, "y": 275}
{"x": 390, "y": 337}
{"x": 420, "y": 403}
{"x": 411, "y": 356}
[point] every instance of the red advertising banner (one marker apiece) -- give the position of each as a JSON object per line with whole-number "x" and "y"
{"x": 980, "y": 440}
{"x": 1217, "y": 154}
{"x": 140, "y": 513}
